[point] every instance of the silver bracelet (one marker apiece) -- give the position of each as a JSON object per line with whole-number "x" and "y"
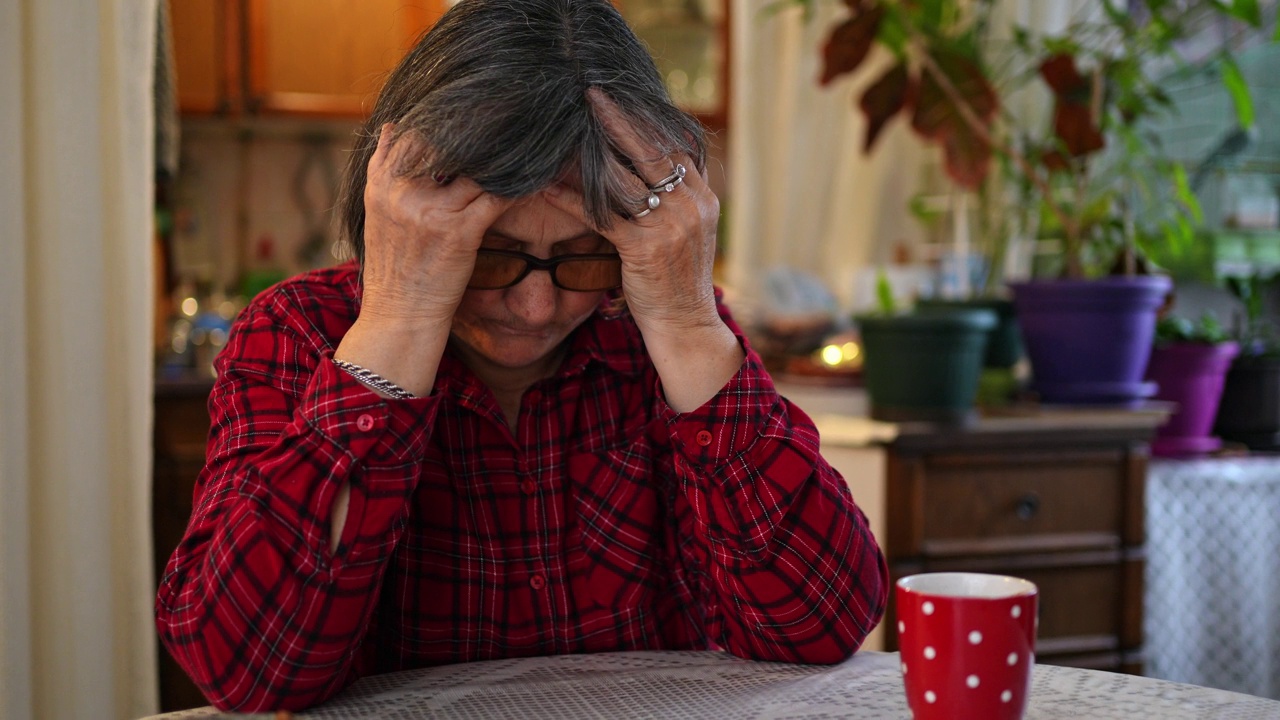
{"x": 374, "y": 381}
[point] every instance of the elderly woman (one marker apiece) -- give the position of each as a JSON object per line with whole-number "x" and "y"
{"x": 520, "y": 422}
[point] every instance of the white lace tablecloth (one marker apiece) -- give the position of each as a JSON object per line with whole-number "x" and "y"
{"x": 714, "y": 685}
{"x": 1213, "y": 573}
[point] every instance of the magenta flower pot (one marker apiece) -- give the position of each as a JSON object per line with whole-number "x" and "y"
{"x": 1191, "y": 375}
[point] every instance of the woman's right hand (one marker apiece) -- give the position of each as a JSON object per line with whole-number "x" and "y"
{"x": 420, "y": 242}
{"x": 420, "y": 236}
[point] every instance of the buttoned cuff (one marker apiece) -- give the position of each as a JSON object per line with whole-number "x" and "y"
{"x": 382, "y": 437}
{"x": 728, "y": 424}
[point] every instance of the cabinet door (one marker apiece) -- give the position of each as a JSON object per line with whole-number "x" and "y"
{"x": 204, "y": 50}
{"x": 327, "y": 57}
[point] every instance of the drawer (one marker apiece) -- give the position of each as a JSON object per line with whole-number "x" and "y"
{"x": 970, "y": 505}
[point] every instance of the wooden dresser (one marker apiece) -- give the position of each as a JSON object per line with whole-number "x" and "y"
{"x": 181, "y": 428}
{"x": 1055, "y": 497}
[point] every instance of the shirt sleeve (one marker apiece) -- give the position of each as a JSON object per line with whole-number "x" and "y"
{"x": 784, "y": 559}
{"x": 252, "y": 604}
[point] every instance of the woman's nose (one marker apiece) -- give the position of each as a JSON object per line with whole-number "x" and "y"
{"x": 533, "y": 299}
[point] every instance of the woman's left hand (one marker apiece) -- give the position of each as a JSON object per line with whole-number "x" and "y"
{"x": 667, "y": 259}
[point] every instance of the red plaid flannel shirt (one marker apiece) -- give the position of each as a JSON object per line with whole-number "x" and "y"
{"x": 607, "y": 521}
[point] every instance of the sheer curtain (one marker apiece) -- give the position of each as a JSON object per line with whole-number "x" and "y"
{"x": 76, "y": 636}
{"x": 801, "y": 191}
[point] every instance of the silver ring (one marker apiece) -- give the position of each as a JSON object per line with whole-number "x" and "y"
{"x": 652, "y": 203}
{"x": 670, "y": 182}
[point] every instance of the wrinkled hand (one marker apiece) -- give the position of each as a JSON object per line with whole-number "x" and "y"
{"x": 420, "y": 236}
{"x": 667, "y": 255}
{"x": 667, "y": 259}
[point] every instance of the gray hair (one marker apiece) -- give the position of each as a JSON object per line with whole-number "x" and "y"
{"x": 498, "y": 91}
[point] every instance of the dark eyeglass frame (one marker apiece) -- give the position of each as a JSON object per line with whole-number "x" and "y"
{"x": 532, "y": 263}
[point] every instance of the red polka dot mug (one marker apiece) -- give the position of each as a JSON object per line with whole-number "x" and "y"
{"x": 967, "y": 644}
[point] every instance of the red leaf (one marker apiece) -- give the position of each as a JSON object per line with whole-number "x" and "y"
{"x": 883, "y": 100}
{"x": 1073, "y": 124}
{"x": 1066, "y": 82}
{"x": 849, "y": 43}
{"x": 1054, "y": 160}
{"x": 967, "y": 157}
{"x": 935, "y": 113}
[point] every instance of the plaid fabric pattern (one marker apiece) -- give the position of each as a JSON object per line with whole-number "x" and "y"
{"x": 606, "y": 522}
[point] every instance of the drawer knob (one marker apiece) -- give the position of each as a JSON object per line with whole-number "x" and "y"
{"x": 1027, "y": 507}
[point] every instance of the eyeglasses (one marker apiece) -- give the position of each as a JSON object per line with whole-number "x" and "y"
{"x": 584, "y": 272}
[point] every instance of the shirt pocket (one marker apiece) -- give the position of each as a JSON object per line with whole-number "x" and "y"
{"x": 619, "y": 510}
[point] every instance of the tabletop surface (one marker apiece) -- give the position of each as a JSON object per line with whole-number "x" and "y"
{"x": 716, "y": 685}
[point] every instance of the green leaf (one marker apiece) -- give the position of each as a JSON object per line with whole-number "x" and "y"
{"x": 893, "y": 32}
{"x": 921, "y": 209}
{"x": 931, "y": 13}
{"x": 1182, "y": 189}
{"x": 1114, "y": 14}
{"x": 884, "y": 293}
{"x": 1173, "y": 328}
{"x": 1238, "y": 88}
{"x": 1246, "y": 10}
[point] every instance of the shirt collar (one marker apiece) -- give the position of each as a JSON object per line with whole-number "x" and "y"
{"x": 609, "y": 337}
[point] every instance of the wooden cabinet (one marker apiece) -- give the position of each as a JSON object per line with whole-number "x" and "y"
{"x": 202, "y": 55}
{"x": 179, "y": 435}
{"x": 329, "y": 58}
{"x": 1056, "y": 499}
{"x": 323, "y": 58}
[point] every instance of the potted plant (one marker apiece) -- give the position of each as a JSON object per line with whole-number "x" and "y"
{"x": 1249, "y": 412}
{"x": 922, "y": 365}
{"x": 1189, "y": 363}
{"x": 1088, "y": 330}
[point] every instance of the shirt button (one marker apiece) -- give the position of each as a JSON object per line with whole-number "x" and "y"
{"x": 527, "y": 487}
{"x": 364, "y": 423}
{"x": 703, "y": 437}
{"x": 537, "y": 582}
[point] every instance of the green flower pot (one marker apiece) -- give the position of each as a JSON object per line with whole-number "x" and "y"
{"x": 1004, "y": 343}
{"x": 924, "y": 366}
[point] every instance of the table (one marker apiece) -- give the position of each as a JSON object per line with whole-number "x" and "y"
{"x": 1213, "y": 573}
{"x": 716, "y": 685}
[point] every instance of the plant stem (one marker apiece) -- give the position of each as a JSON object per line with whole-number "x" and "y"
{"x": 1070, "y": 227}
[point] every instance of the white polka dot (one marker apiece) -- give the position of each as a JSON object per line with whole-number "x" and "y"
{"x": 929, "y": 697}
{"x": 930, "y": 653}
{"x": 971, "y": 681}
{"x": 1016, "y": 611}
{"x": 904, "y": 668}
{"x": 927, "y": 608}
{"x": 1006, "y": 696}
{"x": 1013, "y": 659}
{"x": 902, "y": 627}
{"x": 975, "y": 637}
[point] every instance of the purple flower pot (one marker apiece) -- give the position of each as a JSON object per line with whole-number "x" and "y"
{"x": 1089, "y": 340}
{"x": 1191, "y": 375}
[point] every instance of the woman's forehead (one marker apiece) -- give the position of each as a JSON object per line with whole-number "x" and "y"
{"x": 534, "y": 221}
